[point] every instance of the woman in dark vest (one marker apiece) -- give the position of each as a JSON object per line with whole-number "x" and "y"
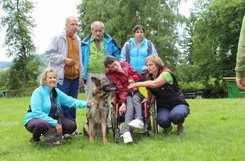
{"x": 171, "y": 105}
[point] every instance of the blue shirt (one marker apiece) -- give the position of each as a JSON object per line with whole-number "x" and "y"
{"x": 41, "y": 104}
{"x": 137, "y": 55}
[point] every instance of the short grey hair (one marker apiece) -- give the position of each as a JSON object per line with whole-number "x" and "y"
{"x": 70, "y": 18}
{"x": 97, "y": 23}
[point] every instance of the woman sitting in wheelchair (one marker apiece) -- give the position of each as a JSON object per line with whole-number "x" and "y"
{"x": 171, "y": 105}
{"x": 122, "y": 75}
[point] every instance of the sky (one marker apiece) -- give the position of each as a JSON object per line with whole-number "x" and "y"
{"x": 49, "y": 17}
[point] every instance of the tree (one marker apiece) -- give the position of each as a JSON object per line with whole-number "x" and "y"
{"x": 187, "y": 42}
{"x": 18, "y": 23}
{"x": 159, "y": 18}
{"x": 216, "y": 29}
{"x": 216, "y": 36}
{"x": 3, "y": 79}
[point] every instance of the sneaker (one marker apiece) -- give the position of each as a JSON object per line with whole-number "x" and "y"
{"x": 127, "y": 138}
{"x": 76, "y": 133}
{"x": 67, "y": 136}
{"x": 136, "y": 123}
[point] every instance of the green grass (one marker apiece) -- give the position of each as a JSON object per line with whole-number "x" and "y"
{"x": 214, "y": 131}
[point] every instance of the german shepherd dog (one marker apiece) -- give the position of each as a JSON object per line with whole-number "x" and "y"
{"x": 103, "y": 93}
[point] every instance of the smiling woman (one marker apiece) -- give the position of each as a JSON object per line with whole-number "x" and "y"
{"x": 45, "y": 116}
{"x": 49, "y": 78}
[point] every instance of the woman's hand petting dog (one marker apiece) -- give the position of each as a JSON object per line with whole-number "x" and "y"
{"x": 122, "y": 109}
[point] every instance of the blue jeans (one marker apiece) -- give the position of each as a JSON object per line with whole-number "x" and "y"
{"x": 69, "y": 87}
{"x": 176, "y": 115}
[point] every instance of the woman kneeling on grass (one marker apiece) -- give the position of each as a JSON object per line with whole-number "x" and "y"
{"x": 44, "y": 116}
{"x": 171, "y": 105}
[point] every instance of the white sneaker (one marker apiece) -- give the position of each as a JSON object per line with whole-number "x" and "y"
{"x": 127, "y": 138}
{"x": 136, "y": 123}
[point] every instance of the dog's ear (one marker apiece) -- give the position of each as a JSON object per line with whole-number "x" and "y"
{"x": 96, "y": 81}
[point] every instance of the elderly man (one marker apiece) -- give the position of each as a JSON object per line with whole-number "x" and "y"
{"x": 240, "y": 63}
{"x": 95, "y": 47}
{"x": 64, "y": 56}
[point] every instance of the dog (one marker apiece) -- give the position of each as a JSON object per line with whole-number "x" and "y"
{"x": 102, "y": 95}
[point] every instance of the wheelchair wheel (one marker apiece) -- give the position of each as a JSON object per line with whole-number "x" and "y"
{"x": 115, "y": 128}
{"x": 154, "y": 118}
{"x": 117, "y": 135}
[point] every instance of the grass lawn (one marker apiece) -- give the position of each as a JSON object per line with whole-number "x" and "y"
{"x": 214, "y": 131}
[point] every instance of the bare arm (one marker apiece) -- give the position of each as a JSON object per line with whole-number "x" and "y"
{"x": 159, "y": 81}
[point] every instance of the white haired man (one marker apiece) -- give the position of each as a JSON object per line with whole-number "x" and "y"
{"x": 95, "y": 47}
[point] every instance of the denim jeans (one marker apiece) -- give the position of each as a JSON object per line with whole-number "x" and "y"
{"x": 176, "y": 115}
{"x": 70, "y": 87}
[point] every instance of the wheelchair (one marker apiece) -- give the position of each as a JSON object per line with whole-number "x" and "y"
{"x": 148, "y": 112}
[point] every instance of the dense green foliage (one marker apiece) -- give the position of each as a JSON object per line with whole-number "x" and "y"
{"x": 214, "y": 131}
{"x": 215, "y": 37}
{"x": 208, "y": 45}
{"x": 159, "y": 19}
{"x": 211, "y": 43}
{"x": 3, "y": 80}
{"x": 18, "y": 24}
